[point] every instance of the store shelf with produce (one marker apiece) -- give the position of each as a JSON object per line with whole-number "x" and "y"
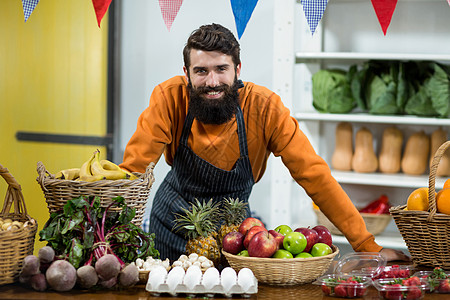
{"x": 368, "y": 118}
{"x": 387, "y": 180}
{"x": 390, "y": 238}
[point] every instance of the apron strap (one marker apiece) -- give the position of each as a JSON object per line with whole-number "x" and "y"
{"x": 242, "y": 135}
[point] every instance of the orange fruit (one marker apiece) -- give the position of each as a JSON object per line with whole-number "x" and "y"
{"x": 418, "y": 199}
{"x": 443, "y": 201}
{"x": 447, "y": 184}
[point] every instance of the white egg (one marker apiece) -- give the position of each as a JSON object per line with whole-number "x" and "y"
{"x": 211, "y": 277}
{"x": 156, "y": 277}
{"x": 246, "y": 278}
{"x": 228, "y": 278}
{"x": 193, "y": 277}
{"x": 175, "y": 277}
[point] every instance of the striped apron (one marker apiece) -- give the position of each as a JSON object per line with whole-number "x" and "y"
{"x": 190, "y": 178}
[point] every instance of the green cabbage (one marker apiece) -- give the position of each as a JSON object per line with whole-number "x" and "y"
{"x": 331, "y": 92}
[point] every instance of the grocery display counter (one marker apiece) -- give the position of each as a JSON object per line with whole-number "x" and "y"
{"x": 304, "y": 292}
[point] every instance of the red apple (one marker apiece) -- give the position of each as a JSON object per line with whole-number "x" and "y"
{"x": 263, "y": 244}
{"x": 248, "y": 223}
{"x": 324, "y": 235}
{"x": 311, "y": 236}
{"x": 278, "y": 237}
{"x": 233, "y": 242}
{"x": 251, "y": 232}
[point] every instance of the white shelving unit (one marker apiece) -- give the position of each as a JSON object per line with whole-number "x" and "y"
{"x": 337, "y": 46}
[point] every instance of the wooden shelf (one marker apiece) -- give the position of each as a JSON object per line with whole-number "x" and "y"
{"x": 368, "y": 118}
{"x": 360, "y": 56}
{"x": 390, "y": 180}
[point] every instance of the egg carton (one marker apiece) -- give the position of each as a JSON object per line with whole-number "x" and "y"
{"x": 193, "y": 282}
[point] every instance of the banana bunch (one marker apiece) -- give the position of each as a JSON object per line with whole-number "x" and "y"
{"x": 95, "y": 169}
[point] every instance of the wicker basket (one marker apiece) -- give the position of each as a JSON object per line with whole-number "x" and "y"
{"x": 375, "y": 224}
{"x": 135, "y": 192}
{"x": 280, "y": 271}
{"x": 15, "y": 244}
{"x": 426, "y": 233}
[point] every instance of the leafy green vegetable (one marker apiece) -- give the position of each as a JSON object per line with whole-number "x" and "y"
{"x": 83, "y": 231}
{"x": 332, "y": 92}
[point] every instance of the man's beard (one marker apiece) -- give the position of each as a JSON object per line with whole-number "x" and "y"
{"x": 214, "y": 111}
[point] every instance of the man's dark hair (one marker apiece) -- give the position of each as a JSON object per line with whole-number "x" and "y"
{"x": 212, "y": 37}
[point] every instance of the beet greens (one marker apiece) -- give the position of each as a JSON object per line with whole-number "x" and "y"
{"x": 83, "y": 231}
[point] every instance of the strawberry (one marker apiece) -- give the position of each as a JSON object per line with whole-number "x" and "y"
{"x": 414, "y": 280}
{"x": 394, "y": 292}
{"x": 444, "y": 286}
{"x": 355, "y": 288}
{"x": 340, "y": 291}
{"x": 414, "y": 292}
{"x": 326, "y": 289}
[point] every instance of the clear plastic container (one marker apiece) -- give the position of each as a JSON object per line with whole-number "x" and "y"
{"x": 352, "y": 276}
{"x": 344, "y": 286}
{"x": 436, "y": 284}
{"x": 396, "y": 271}
{"x": 398, "y": 289}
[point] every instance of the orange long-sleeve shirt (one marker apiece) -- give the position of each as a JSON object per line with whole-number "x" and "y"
{"x": 270, "y": 129}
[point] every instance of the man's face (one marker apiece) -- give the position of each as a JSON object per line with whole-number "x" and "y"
{"x": 212, "y": 81}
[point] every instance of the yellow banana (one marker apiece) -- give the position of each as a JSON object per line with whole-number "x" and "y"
{"x": 86, "y": 173}
{"x": 108, "y": 165}
{"x": 68, "y": 174}
{"x": 97, "y": 169}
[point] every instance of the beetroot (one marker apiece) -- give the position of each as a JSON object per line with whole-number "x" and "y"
{"x": 129, "y": 275}
{"x": 107, "y": 284}
{"x": 107, "y": 267}
{"x": 61, "y": 276}
{"x": 46, "y": 255}
{"x": 30, "y": 266}
{"x": 87, "y": 277}
{"x": 38, "y": 282}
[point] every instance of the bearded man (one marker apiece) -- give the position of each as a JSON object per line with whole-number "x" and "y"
{"x": 217, "y": 133}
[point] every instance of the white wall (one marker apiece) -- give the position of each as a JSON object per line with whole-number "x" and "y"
{"x": 151, "y": 54}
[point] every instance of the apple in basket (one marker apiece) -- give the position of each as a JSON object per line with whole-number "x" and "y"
{"x": 311, "y": 236}
{"x": 263, "y": 244}
{"x": 248, "y": 223}
{"x": 233, "y": 242}
{"x": 278, "y": 236}
{"x": 324, "y": 235}
{"x": 251, "y": 233}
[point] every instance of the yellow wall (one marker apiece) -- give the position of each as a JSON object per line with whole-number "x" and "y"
{"x": 53, "y": 79}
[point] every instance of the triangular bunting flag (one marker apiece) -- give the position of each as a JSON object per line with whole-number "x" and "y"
{"x": 314, "y": 10}
{"x": 28, "y": 7}
{"x": 448, "y": 2}
{"x": 242, "y": 11}
{"x": 169, "y": 11}
{"x": 384, "y": 10}
{"x": 100, "y": 7}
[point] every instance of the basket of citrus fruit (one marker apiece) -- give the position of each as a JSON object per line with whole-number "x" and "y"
{"x": 424, "y": 222}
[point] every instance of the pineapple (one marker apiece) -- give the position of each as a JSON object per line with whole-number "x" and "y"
{"x": 233, "y": 213}
{"x": 199, "y": 224}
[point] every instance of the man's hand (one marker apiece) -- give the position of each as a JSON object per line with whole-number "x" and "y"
{"x": 392, "y": 254}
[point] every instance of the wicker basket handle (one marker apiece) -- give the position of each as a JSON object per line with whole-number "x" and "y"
{"x": 148, "y": 175}
{"x": 42, "y": 172}
{"x": 432, "y": 179}
{"x": 13, "y": 194}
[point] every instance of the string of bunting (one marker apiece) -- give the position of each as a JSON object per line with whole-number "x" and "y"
{"x": 242, "y": 11}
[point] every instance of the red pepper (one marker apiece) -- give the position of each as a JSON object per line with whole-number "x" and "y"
{"x": 378, "y": 206}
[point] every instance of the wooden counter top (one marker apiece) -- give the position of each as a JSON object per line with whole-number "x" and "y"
{"x": 304, "y": 292}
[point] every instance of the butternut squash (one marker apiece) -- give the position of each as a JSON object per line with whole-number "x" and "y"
{"x": 343, "y": 149}
{"x": 391, "y": 150}
{"x": 415, "y": 157}
{"x": 438, "y": 137}
{"x": 364, "y": 159}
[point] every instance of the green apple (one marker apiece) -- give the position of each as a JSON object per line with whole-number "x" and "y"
{"x": 303, "y": 255}
{"x": 243, "y": 253}
{"x": 294, "y": 242}
{"x": 281, "y": 253}
{"x": 321, "y": 249}
{"x": 283, "y": 229}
